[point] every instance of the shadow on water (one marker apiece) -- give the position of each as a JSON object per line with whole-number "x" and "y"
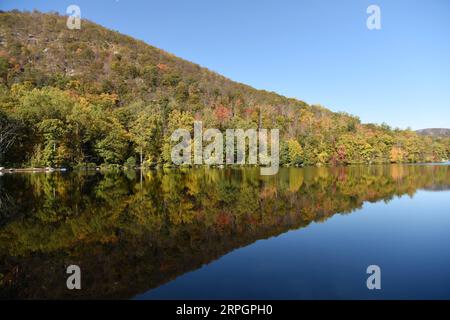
{"x": 130, "y": 234}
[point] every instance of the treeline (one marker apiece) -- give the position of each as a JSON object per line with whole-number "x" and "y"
{"x": 93, "y": 96}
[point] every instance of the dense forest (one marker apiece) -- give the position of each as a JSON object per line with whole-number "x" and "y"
{"x": 77, "y": 98}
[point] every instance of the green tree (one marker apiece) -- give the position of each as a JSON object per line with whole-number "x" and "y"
{"x": 113, "y": 147}
{"x": 146, "y": 134}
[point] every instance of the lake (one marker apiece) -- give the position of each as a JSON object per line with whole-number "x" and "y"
{"x": 305, "y": 233}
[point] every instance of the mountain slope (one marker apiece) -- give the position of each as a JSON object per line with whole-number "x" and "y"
{"x": 45, "y": 52}
{"x": 434, "y": 132}
{"x": 94, "y": 95}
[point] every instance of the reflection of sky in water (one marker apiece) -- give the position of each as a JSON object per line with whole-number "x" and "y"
{"x": 195, "y": 233}
{"x": 407, "y": 237}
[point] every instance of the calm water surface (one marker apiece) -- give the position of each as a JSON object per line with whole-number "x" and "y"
{"x": 306, "y": 233}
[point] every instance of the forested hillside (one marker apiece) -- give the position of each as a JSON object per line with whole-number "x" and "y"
{"x": 72, "y": 97}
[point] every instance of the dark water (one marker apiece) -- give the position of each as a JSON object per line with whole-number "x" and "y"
{"x": 209, "y": 233}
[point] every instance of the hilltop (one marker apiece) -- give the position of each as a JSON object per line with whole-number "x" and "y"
{"x": 434, "y": 132}
{"x": 96, "y": 96}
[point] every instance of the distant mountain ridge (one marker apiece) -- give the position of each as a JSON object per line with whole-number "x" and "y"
{"x": 434, "y": 132}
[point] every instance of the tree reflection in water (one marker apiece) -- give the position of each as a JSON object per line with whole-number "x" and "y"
{"x": 130, "y": 234}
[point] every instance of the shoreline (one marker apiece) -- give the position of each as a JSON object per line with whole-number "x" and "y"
{"x": 4, "y": 170}
{"x": 19, "y": 170}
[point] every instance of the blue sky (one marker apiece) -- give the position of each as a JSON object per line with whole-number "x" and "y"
{"x": 316, "y": 50}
